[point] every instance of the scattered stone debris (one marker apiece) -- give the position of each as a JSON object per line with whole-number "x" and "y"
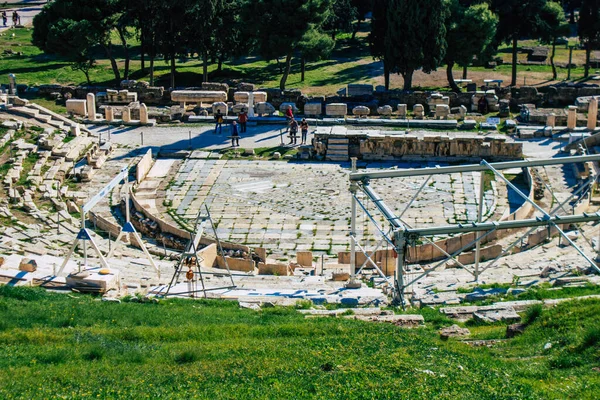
{"x": 453, "y": 331}
{"x": 515, "y": 330}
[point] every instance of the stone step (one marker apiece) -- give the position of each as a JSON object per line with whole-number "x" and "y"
{"x": 337, "y": 158}
{"x": 25, "y": 111}
{"x": 338, "y": 152}
{"x": 331, "y": 141}
{"x": 43, "y": 118}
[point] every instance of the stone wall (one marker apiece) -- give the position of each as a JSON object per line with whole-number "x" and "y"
{"x": 143, "y": 166}
{"x": 391, "y": 146}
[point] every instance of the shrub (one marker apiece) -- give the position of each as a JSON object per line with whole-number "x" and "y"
{"x": 532, "y": 313}
{"x": 95, "y": 353}
{"x": 186, "y": 357}
{"x": 591, "y": 338}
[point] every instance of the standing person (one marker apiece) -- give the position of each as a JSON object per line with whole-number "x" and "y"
{"x": 235, "y": 137}
{"x": 15, "y": 17}
{"x": 304, "y": 128}
{"x": 293, "y": 131}
{"x": 219, "y": 122}
{"x": 4, "y": 18}
{"x": 289, "y": 116}
{"x": 243, "y": 118}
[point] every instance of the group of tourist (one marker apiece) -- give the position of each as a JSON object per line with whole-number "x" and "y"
{"x": 293, "y": 127}
{"x": 235, "y": 131}
{"x": 16, "y": 18}
{"x": 243, "y": 119}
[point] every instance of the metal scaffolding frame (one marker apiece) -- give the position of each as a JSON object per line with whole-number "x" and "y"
{"x": 401, "y": 235}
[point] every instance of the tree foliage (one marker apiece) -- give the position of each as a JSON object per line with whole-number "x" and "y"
{"x": 517, "y": 19}
{"x": 416, "y": 36}
{"x": 588, "y": 28}
{"x": 470, "y": 30}
{"x": 340, "y": 17}
{"x": 552, "y": 26}
{"x": 283, "y": 26}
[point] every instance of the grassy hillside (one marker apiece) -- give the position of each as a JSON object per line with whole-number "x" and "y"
{"x": 350, "y": 62}
{"x": 59, "y": 346}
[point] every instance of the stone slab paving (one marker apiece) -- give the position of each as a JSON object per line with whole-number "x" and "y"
{"x": 287, "y": 207}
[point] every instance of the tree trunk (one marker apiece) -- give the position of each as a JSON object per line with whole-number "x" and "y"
{"x": 286, "y": 72}
{"x": 152, "y": 68}
{"x": 407, "y": 76}
{"x": 513, "y": 81}
{"x": 172, "y": 70}
{"x": 554, "y": 75}
{"x": 205, "y": 66}
{"x": 386, "y": 75}
{"x": 142, "y": 58}
{"x": 465, "y": 72}
{"x": 220, "y": 64}
{"x": 333, "y": 33}
{"x": 87, "y": 77}
{"x": 450, "y": 77}
{"x": 571, "y": 13}
{"x": 302, "y": 68}
{"x": 356, "y": 29}
{"x": 279, "y": 65}
{"x": 113, "y": 62}
{"x": 125, "y": 51}
{"x": 588, "y": 51}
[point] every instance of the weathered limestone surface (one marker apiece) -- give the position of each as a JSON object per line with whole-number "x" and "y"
{"x": 336, "y": 109}
{"x": 313, "y": 109}
{"x": 91, "y": 106}
{"x": 381, "y": 145}
{"x": 355, "y": 89}
{"x": 219, "y": 106}
{"x": 385, "y": 111}
{"x": 592, "y": 114}
{"x": 77, "y": 107}
{"x": 242, "y": 97}
{"x": 109, "y": 113}
{"x": 402, "y": 110}
{"x": 126, "y": 114}
{"x": 361, "y": 111}
{"x": 264, "y": 108}
{"x": 419, "y": 111}
{"x": 572, "y": 117}
{"x": 198, "y": 96}
{"x": 143, "y": 114}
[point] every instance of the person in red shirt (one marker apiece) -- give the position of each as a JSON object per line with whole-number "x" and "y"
{"x": 289, "y": 114}
{"x": 243, "y": 118}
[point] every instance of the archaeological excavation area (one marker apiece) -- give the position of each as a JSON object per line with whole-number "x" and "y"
{"x": 401, "y": 209}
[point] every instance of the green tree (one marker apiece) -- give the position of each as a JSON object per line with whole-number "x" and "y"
{"x": 203, "y": 29}
{"x": 517, "y": 19}
{"x": 379, "y": 27}
{"x": 415, "y": 36}
{"x": 314, "y": 46}
{"x": 340, "y": 18}
{"x": 232, "y": 41}
{"x": 63, "y": 21}
{"x": 469, "y": 32}
{"x": 362, "y": 8}
{"x": 66, "y": 38}
{"x": 282, "y": 27}
{"x": 553, "y": 25}
{"x": 172, "y": 31}
{"x": 588, "y": 29}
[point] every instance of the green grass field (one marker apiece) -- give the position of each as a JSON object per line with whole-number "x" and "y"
{"x": 74, "y": 346}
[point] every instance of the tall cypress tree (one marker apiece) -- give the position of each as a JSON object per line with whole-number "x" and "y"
{"x": 518, "y": 18}
{"x": 588, "y": 28}
{"x": 415, "y": 36}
